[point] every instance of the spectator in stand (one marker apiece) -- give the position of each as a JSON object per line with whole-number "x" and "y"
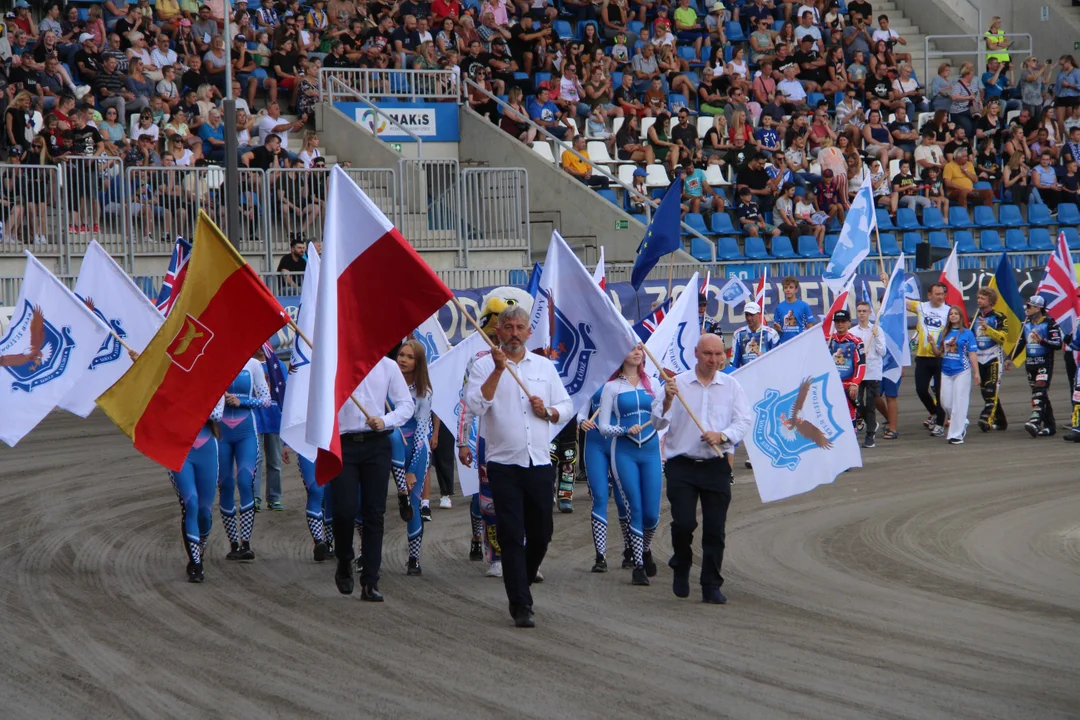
{"x": 646, "y": 69}
{"x": 764, "y": 92}
{"x": 891, "y": 38}
{"x": 856, "y": 37}
{"x": 685, "y": 137}
{"x": 626, "y": 98}
{"x": 906, "y": 191}
{"x": 663, "y": 148}
{"x": 212, "y": 133}
{"x": 784, "y": 212}
{"x": 628, "y": 145}
{"x": 205, "y": 29}
{"x": 750, "y": 218}
{"x": 1016, "y": 179}
{"x": 1047, "y": 189}
{"x": 273, "y": 124}
{"x": 528, "y": 44}
{"x": 903, "y": 133}
{"x": 111, "y": 89}
{"x": 831, "y": 199}
{"x": 761, "y": 42}
{"x": 292, "y": 266}
{"x": 791, "y": 92}
{"x": 997, "y": 82}
{"x": 688, "y": 28}
{"x": 695, "y": 188}
{"x": 965, "y": 99}
{"x": 879, "y": 140}
{"x": 960, "y": 179}
{"x": 580, "y": 168}
{"x": 928, "y": 154}
{"x": 547, "y": 115}
{"x": 1034, "y": 78}
{"x": 513, "y": 119}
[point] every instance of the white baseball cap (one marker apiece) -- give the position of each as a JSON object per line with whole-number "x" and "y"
{"x": 751, "y": 308}
{"x": 85, "y": 36}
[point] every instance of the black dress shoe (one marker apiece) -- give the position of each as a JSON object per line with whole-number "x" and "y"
{"x": 524, "y": 618}
{"x": 680, "y": 584}
{"x": 343, "y": 578}
{"x": 246, "y": 553}
{"x": 196, "y": 574}
{"x": 370, "y": 593}
{"x": 713, "y": 596}
{"x": 404, "y": 507}
{"x": 639, "y": 577}
{"x": 476, "y": 553}
{"x": 650, "y": 566}
{"x": 321, "y": 551}
{"x": 190, "y": 567}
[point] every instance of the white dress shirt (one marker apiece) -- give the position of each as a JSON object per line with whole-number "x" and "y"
{"x": 384, "y": 381}
{"x": 512, "y": 433}
{"x": 721, "y": 407}
{"x": 874, "y": 348}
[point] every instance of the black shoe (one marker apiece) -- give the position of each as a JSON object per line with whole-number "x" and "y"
{"x": 425, "y": 513}
{"x": 650, "y": 566}
{"x": 680, "y": 584}
{"x": 713, "y": 596}
{"x": 523, "y": 618}
{"x": 321, "y": 551}
{"x": 476, "y": 553}
{"x": 869, "y": 442}
{"x": 343, "y": 578}
{"x": 246, "y": 553}
{"x": 330, "y": 551}
{"x": 600, "y": 566}
{"x": 639, "y": 577}
{"x": 404, "y": 507}
{"x": 1032, "y": 429}
{"x": 627, "y": 559}
{"x": 359, "y": 563}
{"x": 234, "y": 553}
{"x": 984, "y": 425}
{"x": 413, "y": 566}
{"x": 190, "y": 568}
{"x": 370, "y": 593}
{"x": 749, "y": 466}
{"x": 196, "y": 574}
{"x": 1071, "y": 436}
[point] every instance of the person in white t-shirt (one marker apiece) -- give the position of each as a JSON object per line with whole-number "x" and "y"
{"x": 890, "y": 38}
{"x": 790, "y": 88}
{"x": 273, "y": 123}
{"x": 870, "y": 387}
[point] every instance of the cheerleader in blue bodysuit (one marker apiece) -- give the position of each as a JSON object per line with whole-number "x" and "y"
{"x": 625, "y": 409}
{"x": 238, "y": 450}
{"x": 410, "y": 444}
{"x": 596, "y": 454}
{"x": 320, "y": 525}
{"x": 194, "y": 486}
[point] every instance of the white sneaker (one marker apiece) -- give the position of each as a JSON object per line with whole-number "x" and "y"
{"x": 81, "y": 91}
{"x": 495, "y": 569}
{"x": 539, "y": 577}
{"x": 444, "y": 502}
{"x": 40, "y": 240}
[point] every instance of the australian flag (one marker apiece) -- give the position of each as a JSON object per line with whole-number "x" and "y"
{"x": 174, "y": 277}
{"x": 275, "y": 377}
{"x": 648, "y": 324}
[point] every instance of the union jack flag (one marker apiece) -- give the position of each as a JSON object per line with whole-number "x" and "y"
{"x": 174, "y": 278}
{"x": 275, "y": 376}
{"x": 1060, "y": 289}
{"x": 649, "y": 323}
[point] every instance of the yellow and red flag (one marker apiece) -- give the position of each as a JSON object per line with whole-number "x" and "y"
{"x": 223, "y": 315}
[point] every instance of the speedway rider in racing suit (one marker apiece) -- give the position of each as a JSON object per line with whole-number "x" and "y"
{"x": 991, "y": 330}
{"x": 849, "y": 355}
{"x": 1041, "y": 337}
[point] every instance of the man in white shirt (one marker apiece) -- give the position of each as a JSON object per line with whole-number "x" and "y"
{"x": 791, "y": 90}
{"x": 517, "y": 428}
{"x": 870, "y": 387}
{"x": 928, "y": 154}
{"x": 697, "y": 464}
{"x": 365, "y": 472}
{"x": 273, "y": 124}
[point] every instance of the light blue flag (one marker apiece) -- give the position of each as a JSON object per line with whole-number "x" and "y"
{"x": 854, "y": 243}
{"x": 893, "y": 324}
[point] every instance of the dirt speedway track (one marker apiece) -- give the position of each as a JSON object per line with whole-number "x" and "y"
{"x": 937, "y": 582}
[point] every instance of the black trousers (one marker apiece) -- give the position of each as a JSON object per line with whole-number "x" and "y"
{"x": 364, "y": 480}
{"x": 868, "y": 395}
{"x": 1040, "y": 373}
{"x": 443, "y": 460}
{"x": 564, "y": 452}
{"x": 689, "y": 480}
{"x": 522, "y": 499}
{"x": 928, "y": 370}
{"x": 992, "y": 412}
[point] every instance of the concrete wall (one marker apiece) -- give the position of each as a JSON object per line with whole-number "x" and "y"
{"x": 344, "y": 138}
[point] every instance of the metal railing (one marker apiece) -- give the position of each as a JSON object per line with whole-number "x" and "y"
{"x": 32, "y": 212}
{"x": 495, "y": 209}
{"x": 431, "y": 204}
{"x": 978, "y": 51}
{"x": 95, "y": 203}
{"x": 339, "y": 89}
{"x": 421, "y": 85}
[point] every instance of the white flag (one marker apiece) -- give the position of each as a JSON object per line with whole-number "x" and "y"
{"x": 676, "y": 336}
{"x": 118, "y": 302}
{"x": 295, "y": 406}
{"x": 431, "y": 335}
{"x": 801, "y": 436}
{"x": 589, "y": 337}
{"x": 734, "y": 292}
{"x": 46, "y": 350}
{"x": 448, "y": 380}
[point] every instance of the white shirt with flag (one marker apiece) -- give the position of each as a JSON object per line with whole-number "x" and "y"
{"x": 294, "y": 409}
{"x": 721, "y": 406}
{"x": 48, "y": 346}
{"x": 117, "y": 301}
{"x": 384, "y": 382}
{"x": 875, "y": 349}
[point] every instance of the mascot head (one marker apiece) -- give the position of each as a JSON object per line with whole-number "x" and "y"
{"x": 498, "y": 300}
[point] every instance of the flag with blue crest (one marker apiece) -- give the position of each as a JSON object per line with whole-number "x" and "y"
{"x": 854, "y": 243}
{"x": 662, "y": 235}
{"x": 892, "y": 320}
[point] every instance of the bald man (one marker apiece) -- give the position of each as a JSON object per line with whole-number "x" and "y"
{"x": 697, "y": 462}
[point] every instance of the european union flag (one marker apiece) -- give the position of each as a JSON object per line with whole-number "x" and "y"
{"x": 662, "y": 235}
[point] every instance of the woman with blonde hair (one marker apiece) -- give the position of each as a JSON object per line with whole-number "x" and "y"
{"x": 311, "y": 149}
{"x": 1014, "y": 178}
{"x": 966, "y": 100}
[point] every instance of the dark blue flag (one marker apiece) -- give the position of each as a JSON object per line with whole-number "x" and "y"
{"x": 662, "y": 235}
{"x": 275, "y": 375}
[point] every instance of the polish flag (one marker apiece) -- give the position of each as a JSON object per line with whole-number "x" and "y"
{"x": 838, "y": 304}
{"x": 950, "y": 278}
{"x": 373, "y": 290}
{"x": 759, "y": 293}
{"x": 598, "y": 274}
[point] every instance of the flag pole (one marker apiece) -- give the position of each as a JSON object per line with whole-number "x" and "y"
{"x": 664, "y": 374}
{"x": 300, "y": 333}
{"x": 121, "y": 341}
{"x": 881, "y": 256}
{"x": 670, "y": 273}
{"x": 480, "y": 330}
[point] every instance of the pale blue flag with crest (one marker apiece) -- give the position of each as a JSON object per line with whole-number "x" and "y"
{"x": 854, "y": 243}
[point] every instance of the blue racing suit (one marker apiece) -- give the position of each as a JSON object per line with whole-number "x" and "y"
{"x": 749, "y": 345}
{"x": 596, "y": 454}
{"x": 410, "y": 454}
{"x": 238, "y": 449}
{"x": 194, "y": 486}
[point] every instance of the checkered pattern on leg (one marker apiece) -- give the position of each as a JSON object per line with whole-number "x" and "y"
{"x": 599, "y": 535}
{"x": 247, "y": 523}
{"x": 638, "y": 546}
{"x": 624, "y": 525}
{"x": 194, "y": 551}
{"x": 414, "y": 546}
{"x": 477, "y": 527}
{"x": 315, "y": 526}
{"x": 228, "y": 520}
{"x": 648, "y": 539}
{"x": 328, "y": 532}
{"x": 399, "y": 479}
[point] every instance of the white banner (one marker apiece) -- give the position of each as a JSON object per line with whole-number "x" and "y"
{"x": 676, "y": 336}
{"x": 295, "y": 406}
{"x": 431, "y": 335}
{"x": 448, "y": 379}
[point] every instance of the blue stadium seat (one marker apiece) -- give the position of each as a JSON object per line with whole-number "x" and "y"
{"x": 958, "y": 218}
{"x": 990, "y": 241}
{"x": 562, "y": 29}
{"x": 884, "y": 222}
{"x": 721, "y": 225}
{"x": 940, "y": 239}
{"x": 616, "y": 79}
{"x": 984, "y": 217}
{"x": 581, "y": 28}
{"x": 675, "y": 102}
{"x": 734, "y": 32}
{"x": 634, "y": 27}
{"x": 1009, "y": 216}
{"x": 727, "y": 248}
{"x": 830, "y": 244}
{"x": 696, "y": 222}
{"x": 1072, "y": 237}
{"x": 702, "y": 250}
{"x": 814, "y": 98}
{"x": 781, "y": 247}
{"x": 808, "y": 248}
{"x": 542, "y": 77}
{"x": 609, "y": 195}
{"x": 888, "y": 244}
{"x": 1015, "y": 240}
{"x": 1068, "y": 214}
{"x": 965, "y": 241}
{"x": 932, "y": 219}
{"x": 906, "y": 220}
{"x": 911, "y": 239}
{"x": 686, "y": 52}
{"x": 1039, "y": 215}
{"x": 755, "y": 249}
{"x": 777, "y": 25}
{"x": 518, "y": 277}
{"x": 1039, "y": 238}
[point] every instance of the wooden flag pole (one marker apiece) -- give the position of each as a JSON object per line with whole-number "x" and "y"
{"x": 123, "y": 344}
{"x": 300, "y": 333}
{"x": 663, "y": 374}
{"x": 476, "y": 326}
{"x": 670, "y": 273}
{"x": 881, "y": 256}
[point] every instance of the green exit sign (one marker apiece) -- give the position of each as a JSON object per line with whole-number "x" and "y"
{"x": 396, "y": 147}
{"x": 1076, "y": 45}
{"x": 622, "y": 224}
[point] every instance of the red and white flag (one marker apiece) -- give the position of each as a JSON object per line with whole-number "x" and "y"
{"x": 366, "y": 265}
{"x": 950, "y": 278}
{"x": 598, "y": 274}
{"x": 838, "y": 304}
{"x": 759, "y": 292}
{"x": 1060, "y": 289}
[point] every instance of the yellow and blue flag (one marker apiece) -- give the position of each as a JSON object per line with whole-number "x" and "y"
{"x": 1009, "y": 304}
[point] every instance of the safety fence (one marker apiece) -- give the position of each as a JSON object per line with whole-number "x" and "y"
{"x": 32, "y": 211}
{"x": 495, "y": 208}
{"x": 408, "y": 85}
